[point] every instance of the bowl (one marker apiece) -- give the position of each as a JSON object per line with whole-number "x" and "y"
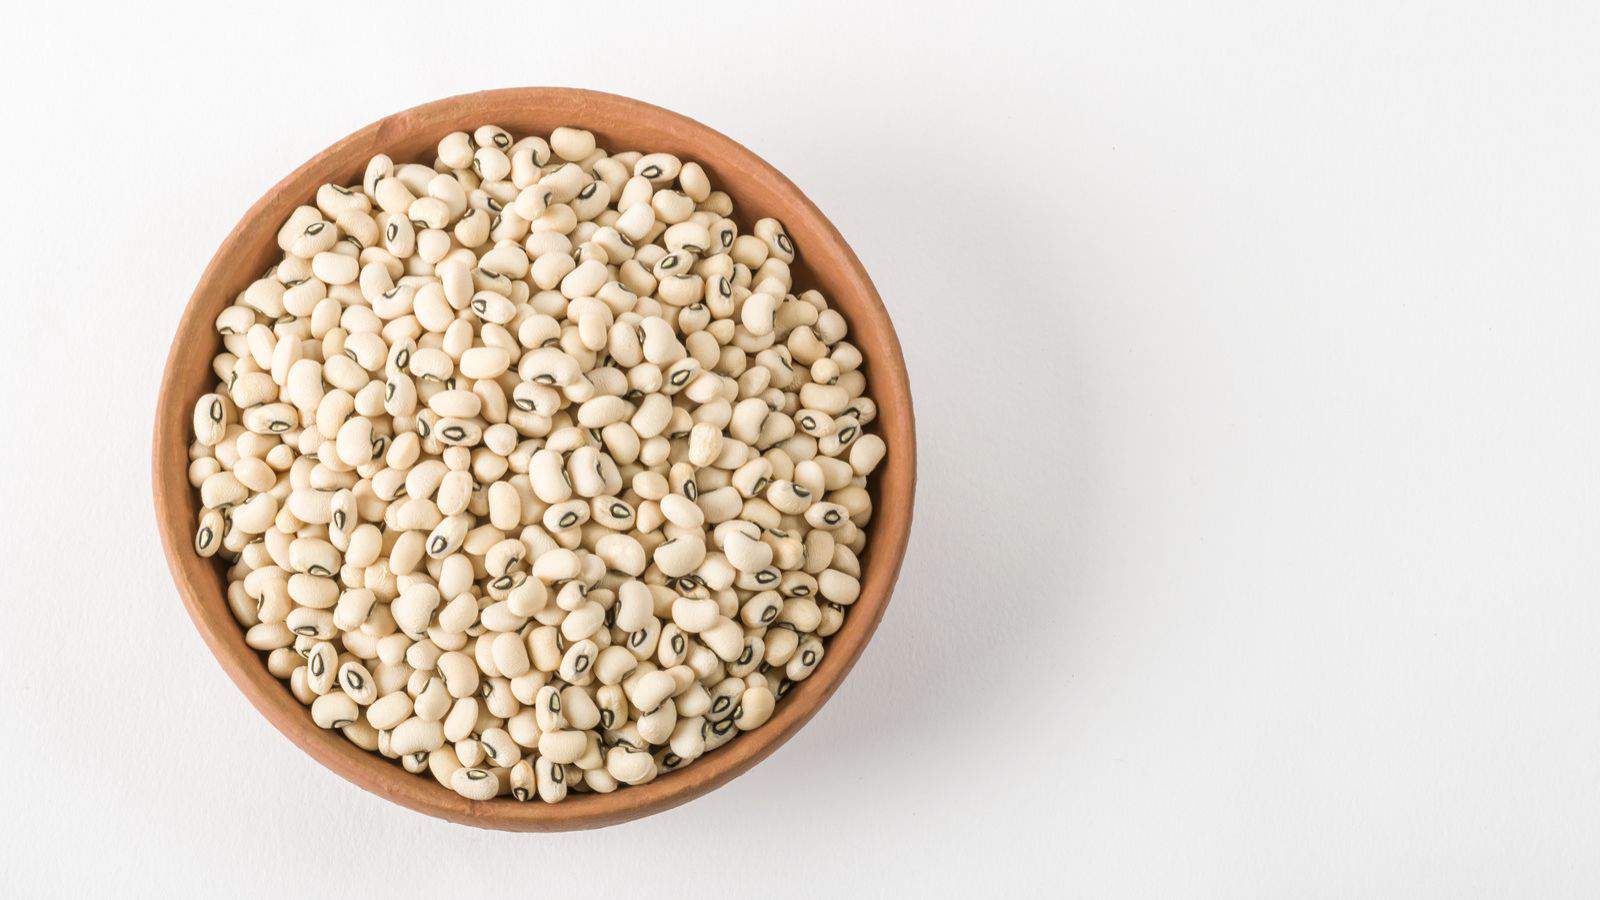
{"x": 825, "y": 262}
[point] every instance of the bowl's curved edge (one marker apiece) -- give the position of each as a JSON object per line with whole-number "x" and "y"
{"x": 890, "y": 529}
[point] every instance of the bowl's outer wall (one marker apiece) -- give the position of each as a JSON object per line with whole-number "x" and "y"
{"x": 826, "y": 262}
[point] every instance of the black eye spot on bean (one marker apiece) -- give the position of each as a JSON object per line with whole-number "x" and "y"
{"x": 568, "y": 520}
{"x": 477, "y": 774}
{"x": 589, "y": 190}
{"x": 544, "y": 379}
{"x": 768, "y": 614}
{"x": 766, "y": 576}
{"x": 784, "y": 687}
{"x": 502, "y": 140}
{"x": 278, "y": 426}
{"x": 558, "y": 774}
{"x": 784, "y": 243}
{"x": 353, "y": 680}
{"x": 307, "y": 630}
{"x": 503, "y": 583}
{"x": 680, "y": 377}
{"x": 846, "y": 434}
{"x": 621, "y": 511}
{"x": 745, "y": 657}
{"x": 454, "y": 433}
{"x": 494, "y": 205}
{"x": 419, "y": 225}
{"x": 651, "y": 171}
{"x": 203, "y": 540}
{"x": 582, "y": 665}
{"x": 606, "y": 718}
{"x": 338, "y": 521}
{"x": 342, "y": 723}
{"x": 438, "y": 545}
{"x": 316, "y": 227}
{"x": 831, "y": 517}
{"x": 678, "y": 643}
{"x": 392, "y": 232}
{"x": 809, "y": 658}
{"x": 520, "y": 793}
{"x": 637, "y": 638}
{"x": 690, "y": 490}
{"x": 809, "y": 423}
{"x": 340, "y": 190}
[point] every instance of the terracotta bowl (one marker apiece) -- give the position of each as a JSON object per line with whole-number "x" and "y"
{"x": 826, "y": 263}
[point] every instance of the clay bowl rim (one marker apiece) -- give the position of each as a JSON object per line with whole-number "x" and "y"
{"x": 758, "y": 189}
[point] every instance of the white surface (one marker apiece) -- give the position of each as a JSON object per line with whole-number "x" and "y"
{"x": 1254, "y": 352}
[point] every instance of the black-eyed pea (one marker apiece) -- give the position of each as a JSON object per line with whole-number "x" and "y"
{"x": 547, "y": 709}
{"x": 313, "y": 623}
{"x": 523, "y": 784}
{"x": 649, "y": 690}
{"x": 855, "y": 500}
{"x": 416, "y": 735}
{"x": 458, "y": 724}
{"x": 357, "y": 682}
{"x": 724, "y": 638}
{"x": 433, "y": 702}
{"x": 827, "y": 515}
{"x": 334, "y": 710}
{"x": 499, "y": 748}
{"x": 837, "y": 586}
{"x": 443, "y": 764}
{"x": 797, "y": 584}
{"x": 562, "y": 746}
{"x": 475, "y": 783}
{"x": 212, "y": 414}
{"x": 321, "y": 667}
{"x": 694, "y": 616}
{"x": 755, "y": 708}
{"x": 789, "y": 497}
{"x": 655, "y": 727}
{"x": 832, "y": 619}
{"x": 551, "y": 779}
{"x": 725, "y": 696}
{"x": 577, "y": 663}
{"x": 630, "y": 766}
{"x": 389, "y": 711}
{"x": 805, "y": 660}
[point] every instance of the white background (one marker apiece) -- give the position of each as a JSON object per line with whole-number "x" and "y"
{"x": 1254, "y": 356}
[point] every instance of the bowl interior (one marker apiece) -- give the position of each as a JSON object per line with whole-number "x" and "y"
{"x": 825, "y": 263}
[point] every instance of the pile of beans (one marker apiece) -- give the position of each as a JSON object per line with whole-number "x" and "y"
{"x": 532, "y": 471}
